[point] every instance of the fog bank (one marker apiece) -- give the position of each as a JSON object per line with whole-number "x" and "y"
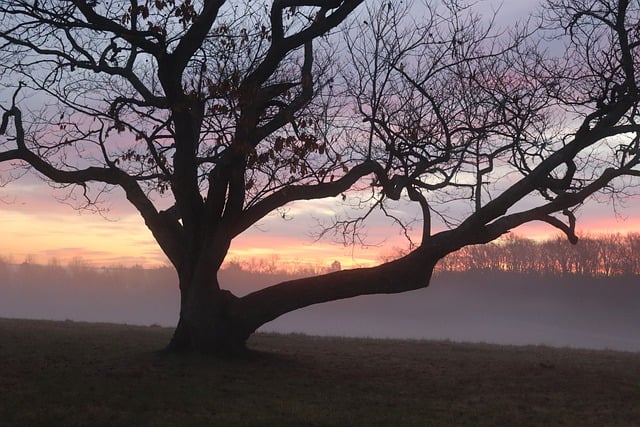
{"x": 497, "y": 308}
{"x": 503, "y": 308}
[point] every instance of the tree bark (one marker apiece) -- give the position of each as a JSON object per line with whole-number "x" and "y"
{"x": 206, "y": 325}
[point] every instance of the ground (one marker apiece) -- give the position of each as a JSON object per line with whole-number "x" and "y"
{"x": 68, "y": 373}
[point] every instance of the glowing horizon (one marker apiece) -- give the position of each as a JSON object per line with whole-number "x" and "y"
{"x": 42, "y": 230}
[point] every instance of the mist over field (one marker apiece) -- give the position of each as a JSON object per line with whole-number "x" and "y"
{"x": 496, "y": 307}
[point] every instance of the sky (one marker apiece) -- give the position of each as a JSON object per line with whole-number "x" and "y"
{"x": 37, "y": 226}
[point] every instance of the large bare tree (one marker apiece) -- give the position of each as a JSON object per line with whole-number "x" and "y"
{"x": 233, "y": 110}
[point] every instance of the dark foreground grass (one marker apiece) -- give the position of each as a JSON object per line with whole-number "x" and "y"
{"x": 80, "y": 374}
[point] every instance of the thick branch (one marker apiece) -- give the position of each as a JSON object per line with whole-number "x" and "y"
{"x": 165, "y": 229}
{"x": 410, "y": 272}
{"x": 303, "y": 192}
{"x": 287, "y": 112}
{"x": 539, "y": 176}
{"x": 194, "y": 37}
{"x": 416, "y": 196}
{"x": 281, "y": 46}
{"x": 101, "y": 23}
{"x": 565, "y": 201}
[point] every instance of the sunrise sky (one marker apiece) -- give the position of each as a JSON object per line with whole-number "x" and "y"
{"x": 35, "y": 224}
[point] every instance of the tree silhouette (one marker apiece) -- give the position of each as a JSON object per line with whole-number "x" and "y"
{"x": 211, "y": 115}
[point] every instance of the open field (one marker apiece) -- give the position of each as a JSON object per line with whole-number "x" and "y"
{"x": 77, "y": 374}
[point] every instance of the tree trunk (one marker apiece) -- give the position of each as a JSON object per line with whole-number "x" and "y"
{"x": 215, "y": 322}
{"x": 206, "y": 324}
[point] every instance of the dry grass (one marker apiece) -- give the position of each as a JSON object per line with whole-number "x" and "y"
{"x": 78, "y": 374}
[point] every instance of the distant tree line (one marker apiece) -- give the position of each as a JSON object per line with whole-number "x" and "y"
{"x": 275, "y": 266}
{"x": 80, "y": 291}
{"x": 599, "y": 256}
{"x": 80, "y": 275}
{"x": 603, "y": 255}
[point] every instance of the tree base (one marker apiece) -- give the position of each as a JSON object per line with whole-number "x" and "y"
{"x": 217, "y": 339}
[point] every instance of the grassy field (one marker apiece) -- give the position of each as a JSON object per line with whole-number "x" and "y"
{"x": 81, "y": 374}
